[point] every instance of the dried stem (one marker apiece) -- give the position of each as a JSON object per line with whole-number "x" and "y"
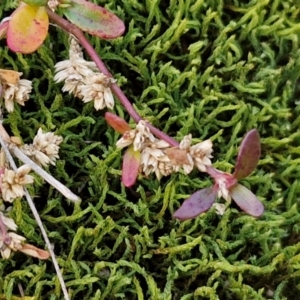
{"x": 49, "y": 246}
{"x": 26, "y": 160}
{"x": 50, "y": 179}
{"x": 72, "y": 29}
{"x": 38, "y": 220}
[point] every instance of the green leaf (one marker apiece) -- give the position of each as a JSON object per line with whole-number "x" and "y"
{"x": 36, "y": 2}
{"x": 27, "y": 28}
{"x": 94, "y": 19}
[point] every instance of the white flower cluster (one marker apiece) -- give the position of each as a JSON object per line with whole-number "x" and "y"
{"x": 13, "y": 89}
{"x": 157, "y": 156}
{"x": 12, "y": 183}
{"x": 10, "y": 241}
{"x": 53, "y": 4}
{"x": 83, "y": 80}
{"x": 44, "y": 149}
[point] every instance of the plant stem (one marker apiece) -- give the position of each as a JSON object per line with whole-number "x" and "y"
{"x": 38, "y": 220}
{"x": 74, "y": 30}
{"x": 50, "y": 179}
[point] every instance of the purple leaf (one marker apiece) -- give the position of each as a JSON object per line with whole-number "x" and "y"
{"x": 247, "y": 201}
{"x": 131, "y": 165}
{"x": 198, "y": 203}
{"x": 248, "y": 156}
{"x": 94, "y": 19}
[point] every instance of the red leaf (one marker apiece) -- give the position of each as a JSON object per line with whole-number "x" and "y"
{"x": 94, "y": 19}
{"x": 117, "y": 123}
{"x": 198, "y": 203}
{"x": 248, "y": 156}
{"x": 27, "y": 28}
{"x": 247, "y": 201}
{"x": 131, "y": 165}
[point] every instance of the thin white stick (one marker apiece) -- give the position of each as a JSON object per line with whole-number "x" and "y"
{"x": 50, "y": 179}
{"x": 21, "y": 290}
{"x": 39, "y": 222}
{"x": 49, "y": 246}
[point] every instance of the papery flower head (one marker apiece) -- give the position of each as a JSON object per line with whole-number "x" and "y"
{"x": 12, "y": 183}
{"x": 53, "y": 4}
{"x": 82, "y": 79}
{"x": 201, "y": 154}
{"x": 44, "y": 149}
{"x": 145, "y": 153}
{"x": 10, "y": 241}
{"x": 150, "y": 155}
{"x": 73, "y": 70}
{"x": 186, "y": 156}
{"x": 219, "y": 208}
{"x": 140, "y": 137}
{"x": 14, "y": 244}
{"x": 97, "y": 88}
{"x": 14, "y": 89}
{"x": 155, "y": 160}
{"x": 8, "y": 222}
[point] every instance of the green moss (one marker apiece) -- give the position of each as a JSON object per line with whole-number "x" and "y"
{"x": 215, "y": 69}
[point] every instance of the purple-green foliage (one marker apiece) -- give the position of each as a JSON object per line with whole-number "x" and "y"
{"x": 247, "y": 160}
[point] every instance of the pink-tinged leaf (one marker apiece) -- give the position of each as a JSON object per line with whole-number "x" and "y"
{"x": 198, "y": 203}
{"x": 27, "y": 28}
{"x": 3, "y": 29}
{"x": 117, "y": 123}
{"x": 248, "y": 156}
{"x": 247, "y": 201}
{"x": 94, "y": 19}
{"x": 131, "y": 165}
{"x": 34, "y": 251}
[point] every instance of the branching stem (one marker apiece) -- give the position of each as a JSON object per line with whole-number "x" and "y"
{"x": 72, "y": 29}
{"x": 50, "y": 179}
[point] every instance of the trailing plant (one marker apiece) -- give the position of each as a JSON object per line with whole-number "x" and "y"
{"x": 150, "y": 150}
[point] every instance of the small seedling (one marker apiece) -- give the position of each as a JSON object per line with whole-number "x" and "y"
{"x": 227, "y": 186}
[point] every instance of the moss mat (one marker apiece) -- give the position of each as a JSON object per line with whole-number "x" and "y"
{"x": 212, "y": 68}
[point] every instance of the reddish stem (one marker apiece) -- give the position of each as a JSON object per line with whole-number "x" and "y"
{"x": 74, "y": 30}
{"x": 213, "y": 172}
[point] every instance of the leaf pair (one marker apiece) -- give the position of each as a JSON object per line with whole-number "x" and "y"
{"x": 131, "y": 158}
{"x": 28, "y": 27}
{"x": 227, "y": 184}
